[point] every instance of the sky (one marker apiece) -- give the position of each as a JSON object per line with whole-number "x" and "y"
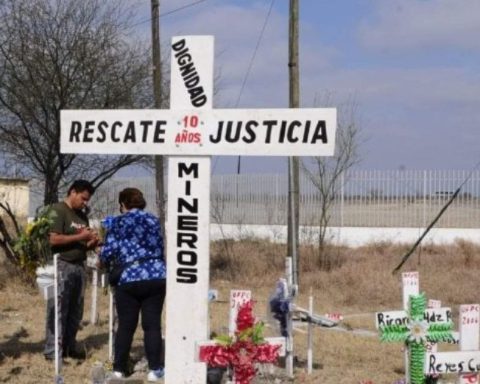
{"x": 411, "y": 67}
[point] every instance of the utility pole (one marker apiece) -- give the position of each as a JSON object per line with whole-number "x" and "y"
{"x": 293, "y": 162}
{"x": 157, "y": 93}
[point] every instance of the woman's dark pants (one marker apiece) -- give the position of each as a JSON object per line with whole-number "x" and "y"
{"x": 131, "y": 299}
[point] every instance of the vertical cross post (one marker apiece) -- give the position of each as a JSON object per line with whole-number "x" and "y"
{"x": 58, "y": 324}
{"x": 93, "y": 307}
{"x": 289, "y": 292}
{"x": 310, "y": 335}
{"x": 410, "y": 287}
{"x": 188, "y": 216}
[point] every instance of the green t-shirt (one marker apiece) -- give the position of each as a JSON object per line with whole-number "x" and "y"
{"x": 68, "y": 221}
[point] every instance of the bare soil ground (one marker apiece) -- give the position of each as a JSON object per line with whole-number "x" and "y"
{"x": 359, "y": 283}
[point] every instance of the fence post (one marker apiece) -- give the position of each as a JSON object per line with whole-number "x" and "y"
{"x": 342, "y": 197}
{"x": 424, "y": 199}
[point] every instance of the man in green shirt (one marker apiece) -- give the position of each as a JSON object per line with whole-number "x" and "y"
{"x": 70, "y": 237}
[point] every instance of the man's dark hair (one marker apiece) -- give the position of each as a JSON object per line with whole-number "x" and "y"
{"x": 132, "y": 198}
{"x": 80, "y": 186}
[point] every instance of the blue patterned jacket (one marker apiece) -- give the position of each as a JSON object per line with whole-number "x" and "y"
{"x": 134, "y": 239}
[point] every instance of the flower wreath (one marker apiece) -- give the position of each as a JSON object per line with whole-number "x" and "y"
{"x": 242, "y": 350}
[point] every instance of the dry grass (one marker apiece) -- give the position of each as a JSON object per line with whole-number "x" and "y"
{"x": 359, "y": 284}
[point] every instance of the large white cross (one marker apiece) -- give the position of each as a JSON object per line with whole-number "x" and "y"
{"x": 191, "y": 131}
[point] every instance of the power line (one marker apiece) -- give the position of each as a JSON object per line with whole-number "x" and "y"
{"x": 170, "y": 12}
{"x": 250, "y": 65}
{"x": 254, "y": 53}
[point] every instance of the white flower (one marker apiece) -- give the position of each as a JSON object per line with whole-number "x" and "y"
{"x": 418, "y": 330}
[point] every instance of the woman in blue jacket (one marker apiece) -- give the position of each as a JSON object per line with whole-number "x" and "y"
{"x": 134, "y": 243}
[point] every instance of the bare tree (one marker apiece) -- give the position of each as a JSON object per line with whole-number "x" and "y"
{"x": 65, "y": 54}
{"x": 326, "y": 172}
{"x": 9, "y": 231}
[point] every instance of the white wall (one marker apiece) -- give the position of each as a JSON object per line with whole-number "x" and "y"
{"x": 351, "y": 236}
{"x": 15, "y": 192}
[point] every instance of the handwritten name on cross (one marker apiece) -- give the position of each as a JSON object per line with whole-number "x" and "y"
{"x": 191, "y": 131}
{"x": 467, "y": 361}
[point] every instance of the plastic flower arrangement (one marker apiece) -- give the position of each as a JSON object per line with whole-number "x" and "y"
{"x": 32, "y": 245}
{"x": 415, "y": 334}
{"x": 418, "y": 331}
{"x": 243, "y": 350}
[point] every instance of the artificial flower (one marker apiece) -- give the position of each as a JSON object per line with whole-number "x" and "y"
{"x": 242, "y": 351}
{"x": 418, "y": 331}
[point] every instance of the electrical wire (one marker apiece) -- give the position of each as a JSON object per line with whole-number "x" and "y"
{"x": 170, "y": 12}
{"x": 250, "y": 65}
{"x": 249, "y": 68}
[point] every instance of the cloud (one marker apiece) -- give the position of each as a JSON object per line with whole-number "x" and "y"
{"x": 403, "y": 87}
{"x": 417, "y": 24}
{"x": 428, "y": 116}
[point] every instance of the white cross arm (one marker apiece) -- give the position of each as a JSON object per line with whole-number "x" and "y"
{"x": 259, "y": 132}
{"x": 452, "y": 362}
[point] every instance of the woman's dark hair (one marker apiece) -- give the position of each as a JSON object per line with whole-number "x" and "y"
{"x": 132, "y": 198}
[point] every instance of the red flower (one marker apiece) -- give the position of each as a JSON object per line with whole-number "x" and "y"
{"x": 245, "y": 317}
{"x": 243, "y": 352}
{"x": 216, "y": 355}
{"x": 267, "y": 353}
{"x": 243, "y": 373}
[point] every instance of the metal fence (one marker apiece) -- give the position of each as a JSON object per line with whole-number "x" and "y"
{"x": 408, "y": 198}
{"x": 362, "y": 199}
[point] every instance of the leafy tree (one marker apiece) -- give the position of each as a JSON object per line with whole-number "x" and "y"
{"x": 66, "y": 54}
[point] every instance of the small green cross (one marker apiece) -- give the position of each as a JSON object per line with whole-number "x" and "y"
{"x": 415, "y": 334}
